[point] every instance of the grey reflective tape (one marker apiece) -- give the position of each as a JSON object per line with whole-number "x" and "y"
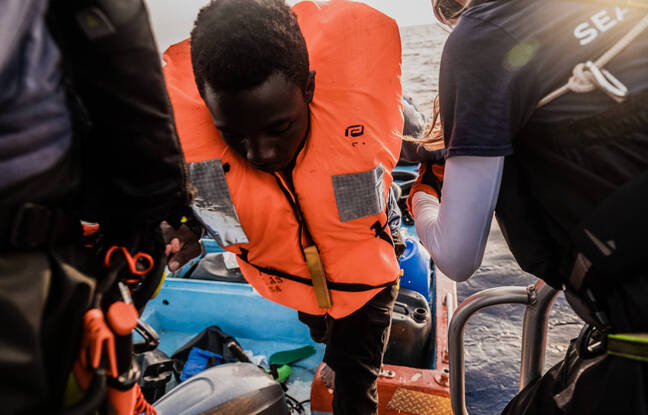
{"x": 358, "y": 195}
{"x": 213, "y": 205}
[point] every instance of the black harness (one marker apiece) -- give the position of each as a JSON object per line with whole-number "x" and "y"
{"x": 579, "y": 187}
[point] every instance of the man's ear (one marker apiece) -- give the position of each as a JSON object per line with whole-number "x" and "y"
{"x": 310, "y": 87}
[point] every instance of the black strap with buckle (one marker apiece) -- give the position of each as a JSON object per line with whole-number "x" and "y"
{"x": 34, "y": 226}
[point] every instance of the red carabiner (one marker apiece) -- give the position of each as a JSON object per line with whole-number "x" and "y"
{"x": 131, "y": 260}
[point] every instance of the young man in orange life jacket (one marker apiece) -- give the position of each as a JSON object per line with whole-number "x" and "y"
{"x": 290, "y": 121}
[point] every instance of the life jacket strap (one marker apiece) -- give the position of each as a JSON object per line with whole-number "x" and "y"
{"x": 629, "y": 345}
{"x": 381, "y": 233}
{"x": 332, "y": 285}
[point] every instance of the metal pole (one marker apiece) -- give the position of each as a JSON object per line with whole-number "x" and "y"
{"x": 534, "y": 333}
{"x": 449, "y": 303}
{"x": 472, "y": 304}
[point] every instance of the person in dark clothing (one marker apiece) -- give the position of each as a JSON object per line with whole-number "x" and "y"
{"x": 86, "y": 133}
{"x": 565, "y": 174}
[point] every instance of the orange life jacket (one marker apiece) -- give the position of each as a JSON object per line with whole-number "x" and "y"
{"x": 341, "y": 176}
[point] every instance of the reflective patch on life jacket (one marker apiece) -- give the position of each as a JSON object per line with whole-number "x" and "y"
{"x": 213, "y": 205}
{"x": 358, "y": 195}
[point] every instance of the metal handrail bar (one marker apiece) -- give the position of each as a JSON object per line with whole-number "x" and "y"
{"x": 538, "y": 300}
{"x": 472, "y": 304}
{"x": 449, "y": 303}
{"x": 534, "y": 333}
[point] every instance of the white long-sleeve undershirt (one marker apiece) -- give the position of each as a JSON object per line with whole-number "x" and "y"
{"x": 455, "y": 231}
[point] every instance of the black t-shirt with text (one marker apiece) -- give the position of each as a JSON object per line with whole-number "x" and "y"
{"x": 504, "y": 56}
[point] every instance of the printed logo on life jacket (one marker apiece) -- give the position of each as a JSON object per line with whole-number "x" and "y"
{"x": 354, "y": 130}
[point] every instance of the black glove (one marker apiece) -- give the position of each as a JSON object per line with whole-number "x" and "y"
{"x": 182, "y": 244}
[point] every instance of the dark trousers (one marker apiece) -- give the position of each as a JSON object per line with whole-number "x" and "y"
{"x": 355, "y": 346}
{"x": 602, "y": 385}
{"x": 43, "y": 297}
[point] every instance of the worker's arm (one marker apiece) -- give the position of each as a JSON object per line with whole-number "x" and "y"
{"x": 456, "y": 230}
{"x": 134, "y": 168}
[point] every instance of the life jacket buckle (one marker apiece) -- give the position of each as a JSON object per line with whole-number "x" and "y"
{"x": 318, "y": 276}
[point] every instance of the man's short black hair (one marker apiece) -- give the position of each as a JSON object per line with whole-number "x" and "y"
{"x": 238, "y": 44}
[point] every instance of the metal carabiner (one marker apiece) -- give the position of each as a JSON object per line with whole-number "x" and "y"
{"x": 590, "y": 342}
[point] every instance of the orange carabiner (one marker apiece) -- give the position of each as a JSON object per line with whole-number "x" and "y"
{"x": 131, "y": 260}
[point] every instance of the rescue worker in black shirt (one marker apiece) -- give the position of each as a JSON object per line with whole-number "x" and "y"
{"x": 565, "y": 172}
{"x": 86, "y": 132}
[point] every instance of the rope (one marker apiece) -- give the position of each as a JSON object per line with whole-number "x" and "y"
{"x": 582, "y": 79}
{"x": 623, "y": 42}
{"x": 142, "y": 407}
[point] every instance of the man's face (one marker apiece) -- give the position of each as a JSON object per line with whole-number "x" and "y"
{"x": 265, "y": 125}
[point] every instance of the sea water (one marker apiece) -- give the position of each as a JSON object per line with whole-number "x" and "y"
{"x": 492, "y": 337}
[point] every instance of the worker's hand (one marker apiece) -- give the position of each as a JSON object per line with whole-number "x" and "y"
{"x": 430, "y": 181}
{"x": 182, "y": 245}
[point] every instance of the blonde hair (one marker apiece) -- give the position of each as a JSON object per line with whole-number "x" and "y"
{"x": 433, "y": 138}
{"x": 447, "y": 12}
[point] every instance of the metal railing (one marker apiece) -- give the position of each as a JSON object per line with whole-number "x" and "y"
{"x": 538, "y": 299}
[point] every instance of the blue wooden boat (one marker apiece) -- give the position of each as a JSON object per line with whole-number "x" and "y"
{"x": 186, "y": 306}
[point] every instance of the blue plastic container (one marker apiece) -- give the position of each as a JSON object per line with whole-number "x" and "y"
{"x": 211, "y": 245}
{"x": 415, "y": 263}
